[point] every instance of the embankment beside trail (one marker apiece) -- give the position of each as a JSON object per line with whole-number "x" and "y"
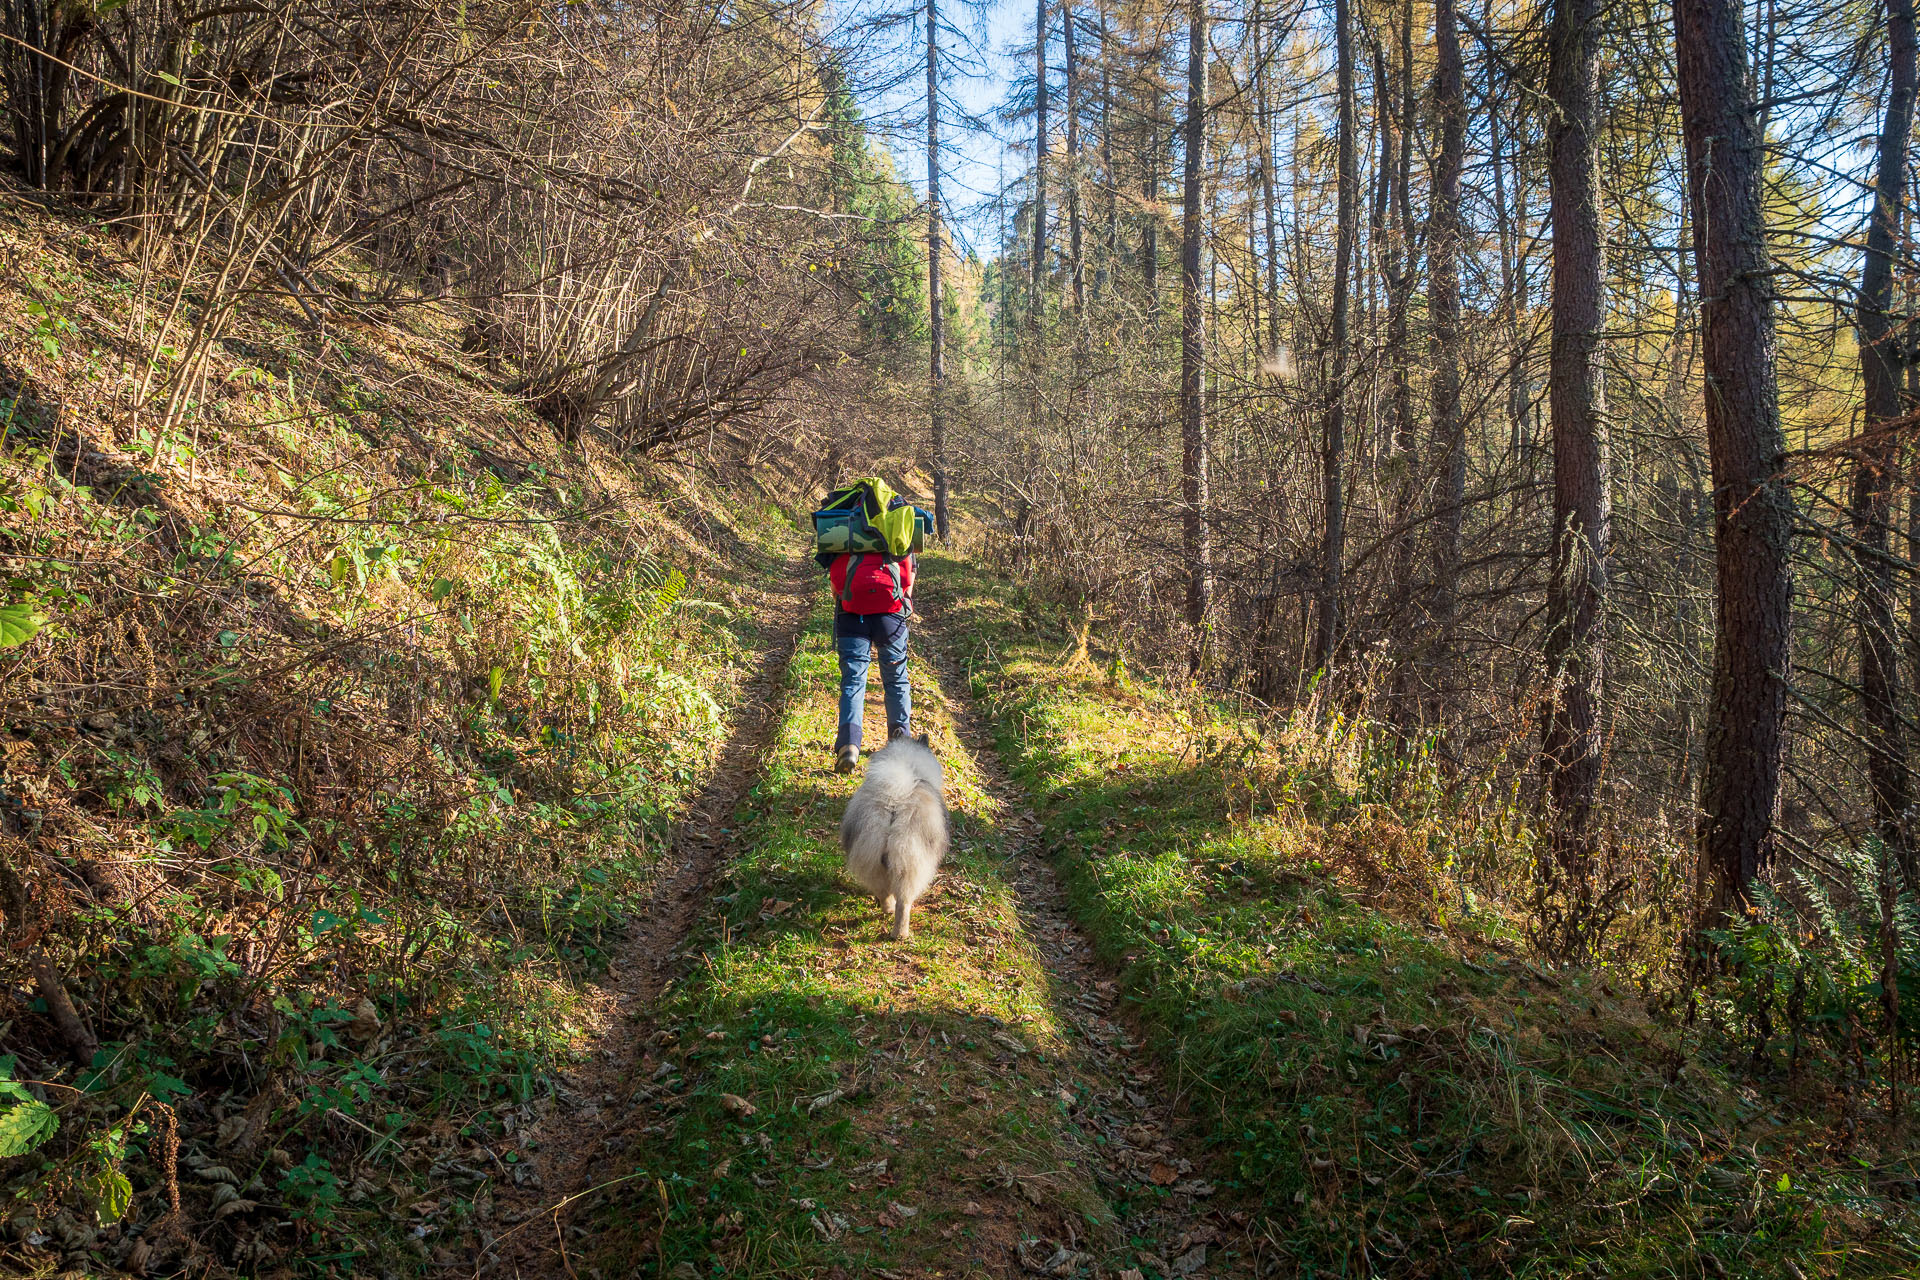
{"x": 346, "y": 717}
{"x": 1378, "y": 1074}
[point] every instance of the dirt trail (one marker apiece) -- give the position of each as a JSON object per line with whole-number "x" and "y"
{"x": 593, "y": 1109}
{"x": 585, "y": 1142}
{"x": 1132, "y": 1109}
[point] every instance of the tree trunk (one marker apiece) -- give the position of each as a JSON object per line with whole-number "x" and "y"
{"x": 1039, "y": 264}
{"x": 1870, "y": 513}
{"x": 936, "y": 312}
{"x": 1512, "y": 303}
{"x": 1333, "y": 438}
{"x": 1193, "y": 344}
{"x": 1150, "y": 189}
{"x": 1396, "y": 264}
{"x": 1575, "y": 645}
{"x": 1443, "y": 305}
{"x": 1263, "y": 115}
{"x": 1074, "y": 247}
{"x": 1752, "y": 513}
{"x": 1112, "y": 236}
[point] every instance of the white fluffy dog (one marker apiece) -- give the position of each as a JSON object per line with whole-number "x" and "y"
{"x": 895, "y": 829}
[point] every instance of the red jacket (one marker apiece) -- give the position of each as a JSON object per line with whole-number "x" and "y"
{"x": 880, "y": 584}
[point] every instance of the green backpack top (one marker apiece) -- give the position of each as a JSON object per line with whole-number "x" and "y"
{"x": 864, "y": 517}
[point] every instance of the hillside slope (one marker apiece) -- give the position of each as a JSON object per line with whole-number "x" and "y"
{"x": 353, "y": 724}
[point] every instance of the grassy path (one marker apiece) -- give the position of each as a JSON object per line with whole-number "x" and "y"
{"x": 817, "y": 1100}
{"x": 1119, "y": 938}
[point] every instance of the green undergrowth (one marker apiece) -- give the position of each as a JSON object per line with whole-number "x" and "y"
{"x": 1387, "y": 1082}
{"x": 350, "y": 719}
{"x": 823, "y": 1100}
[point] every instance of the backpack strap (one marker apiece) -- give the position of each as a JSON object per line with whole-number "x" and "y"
{"x": 846, "y": 591}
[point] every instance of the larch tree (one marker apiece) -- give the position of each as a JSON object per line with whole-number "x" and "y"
{"x": 1571, "y": 745}
{"x": 1752, "y": 512}
{"x": 1877, "y": 460}
{"x": 1443, "y": 305}
{"x": 1333, "y": 423}
{"x": 936, "y": 309}
{"x": 1195, "y": 535}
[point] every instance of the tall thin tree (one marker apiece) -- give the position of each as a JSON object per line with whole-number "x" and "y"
{"x": 936, "y": 308}
{"x": 1333, "y": 423}
{"x": 1870, "y": 511}
{"x": 1196, "y": 537}
{"x": 1443, "y": 306}
{"x": 1035, "y": 295}
{"x": 1582, "y": 507}
{"x": 1752, "y": 512}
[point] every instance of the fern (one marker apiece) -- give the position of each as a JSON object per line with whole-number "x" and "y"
{"x": 1814, "y": 948}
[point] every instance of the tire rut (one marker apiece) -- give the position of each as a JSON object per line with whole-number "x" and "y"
{"x": 593, "y": 1110}
{"x": 1137, "y": 1112}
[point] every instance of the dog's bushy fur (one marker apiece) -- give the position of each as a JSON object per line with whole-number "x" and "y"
{"x": 895, "y": 828}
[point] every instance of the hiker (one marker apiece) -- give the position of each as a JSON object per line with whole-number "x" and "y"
{"x": 873, "y": 599}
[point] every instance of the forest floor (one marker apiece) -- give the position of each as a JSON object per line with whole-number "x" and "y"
{"x": 1133, "y": 1035}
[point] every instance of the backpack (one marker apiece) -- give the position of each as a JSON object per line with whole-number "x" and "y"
{"x": 874, "y": 585}
{"x": 866, "y": 516}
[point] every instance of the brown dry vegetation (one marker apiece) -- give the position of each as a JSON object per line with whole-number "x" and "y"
{"x": 356, "y": 717}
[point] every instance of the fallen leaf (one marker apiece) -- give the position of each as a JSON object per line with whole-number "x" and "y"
{"x": 738, "y": 1105}
{"x": 1163, "y": 1175}
{"x": 971, "y": 1208}
{"x": 1190, "y": 1261}
{"x": 1046, "y": 1258}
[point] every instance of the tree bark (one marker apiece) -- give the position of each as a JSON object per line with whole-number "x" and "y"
{"x": 1752, "y": 513}
{"x": 1333, "y": 427}
{"x": 936, "y": 312}
{"x": 1263, "y": 115}
{"x": 1193, "y": 344}
{"x": 1039, "y": 264}
{"x": 1076, "y": 261}
{"x": 1575, "y": 643}
{"x": 1870, "y": 511}
{"x": 1443, "y": 306}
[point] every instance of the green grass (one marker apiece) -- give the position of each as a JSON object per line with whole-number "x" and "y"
{"x": 1390, "y": 1092}
{"x": 907, "y": 1105}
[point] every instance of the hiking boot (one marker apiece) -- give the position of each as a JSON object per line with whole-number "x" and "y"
{"x": 845, "y": 758}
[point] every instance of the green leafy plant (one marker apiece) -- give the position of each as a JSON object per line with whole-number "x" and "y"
{"x": 25, "y": 1121}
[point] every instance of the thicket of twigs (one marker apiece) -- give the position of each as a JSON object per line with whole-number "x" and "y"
{"x": 1272, "y": 386}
